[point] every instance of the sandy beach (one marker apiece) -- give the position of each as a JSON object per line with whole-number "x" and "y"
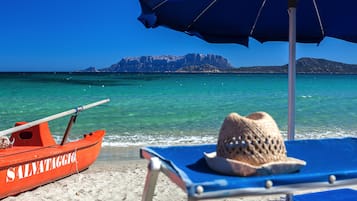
{"x": 118, "y": 174}
{"x": 116, "y": 181}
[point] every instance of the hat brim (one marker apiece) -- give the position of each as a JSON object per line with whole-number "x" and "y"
{"x": 232, "y": 167}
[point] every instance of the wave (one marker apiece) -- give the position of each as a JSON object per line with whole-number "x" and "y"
{"x": 161, "y": 140}
{"x": 126, "y": 141}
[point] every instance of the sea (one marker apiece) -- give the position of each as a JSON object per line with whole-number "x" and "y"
{"x": 169, "y": 109}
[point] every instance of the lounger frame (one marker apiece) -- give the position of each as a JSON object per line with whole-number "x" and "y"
{"x": 305, "y": 180}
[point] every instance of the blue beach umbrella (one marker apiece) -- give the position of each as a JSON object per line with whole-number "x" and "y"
{"x": 235, "y": 21}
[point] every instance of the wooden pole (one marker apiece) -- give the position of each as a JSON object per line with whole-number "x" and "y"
{"x": 69, "y": 126}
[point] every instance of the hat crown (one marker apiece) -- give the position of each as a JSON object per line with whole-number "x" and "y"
{"x": 254, "y": 139}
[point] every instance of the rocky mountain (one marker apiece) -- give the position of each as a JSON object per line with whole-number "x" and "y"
{"x": 192, "y": 63}
{"x": 199, "y": 68}
{"x": 305, "y": 65}
{"x": 166, "y": 63}
{"x": 310, "y": 65}
{"x": 90, "y": 70}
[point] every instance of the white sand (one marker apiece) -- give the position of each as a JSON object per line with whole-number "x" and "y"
{"x": 118, "y": 174}
{"x": 115, "y": 181}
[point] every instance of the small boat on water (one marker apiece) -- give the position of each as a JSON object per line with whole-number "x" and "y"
{"x": 30, "y": 157}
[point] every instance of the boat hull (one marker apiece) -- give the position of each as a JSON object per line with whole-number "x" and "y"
{"x": 26, "y": 167}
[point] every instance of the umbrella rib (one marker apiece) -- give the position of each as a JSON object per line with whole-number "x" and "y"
{"x": 319, "y": 18}
{"x": 256, "y": 19}
{"x": 201, "y": 13}
{"x": 158, "y": 5}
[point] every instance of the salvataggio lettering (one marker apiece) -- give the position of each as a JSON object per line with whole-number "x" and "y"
{"x": 38, "y": 167}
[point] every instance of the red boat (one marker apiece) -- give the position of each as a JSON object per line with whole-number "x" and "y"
{"x": 34, "y": 158}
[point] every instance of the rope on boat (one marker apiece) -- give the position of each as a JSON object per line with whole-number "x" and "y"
{"x": 75, "y": 151}
{"x": 77, "y": 170}
{"x": 5, "y": 142}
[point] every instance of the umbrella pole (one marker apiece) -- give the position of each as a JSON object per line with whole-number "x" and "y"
{"x": 292, "y": 72}
{"x": 291, "y": 76}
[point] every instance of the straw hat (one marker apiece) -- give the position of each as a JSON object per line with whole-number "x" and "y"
{"x": 251, "y": 145}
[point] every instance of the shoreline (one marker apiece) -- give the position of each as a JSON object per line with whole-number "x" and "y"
{"x": 121, "y": 154}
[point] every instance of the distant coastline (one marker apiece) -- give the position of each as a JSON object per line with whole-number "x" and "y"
{"x": 200, "y": 63}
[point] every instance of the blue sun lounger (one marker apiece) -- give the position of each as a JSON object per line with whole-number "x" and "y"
{"x": 331, "y": 163}
{"x": 332, "y": 195}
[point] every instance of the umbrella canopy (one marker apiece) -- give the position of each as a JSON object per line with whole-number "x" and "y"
{"x": 235, "y": 21}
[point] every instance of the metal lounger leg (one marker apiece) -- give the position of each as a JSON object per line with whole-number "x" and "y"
{"x": 151, "y": 179}
{"x": 289, "y": 197}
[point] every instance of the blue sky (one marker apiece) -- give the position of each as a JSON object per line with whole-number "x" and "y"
{"x": 68, "y": 35}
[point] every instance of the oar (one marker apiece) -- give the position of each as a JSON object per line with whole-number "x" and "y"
{"x": 52, "y": 117}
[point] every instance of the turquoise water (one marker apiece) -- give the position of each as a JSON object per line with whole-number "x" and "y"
{"x": 177, "y": 108}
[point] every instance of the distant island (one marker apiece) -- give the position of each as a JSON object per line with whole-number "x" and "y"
{"x": 201, "y": 63}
